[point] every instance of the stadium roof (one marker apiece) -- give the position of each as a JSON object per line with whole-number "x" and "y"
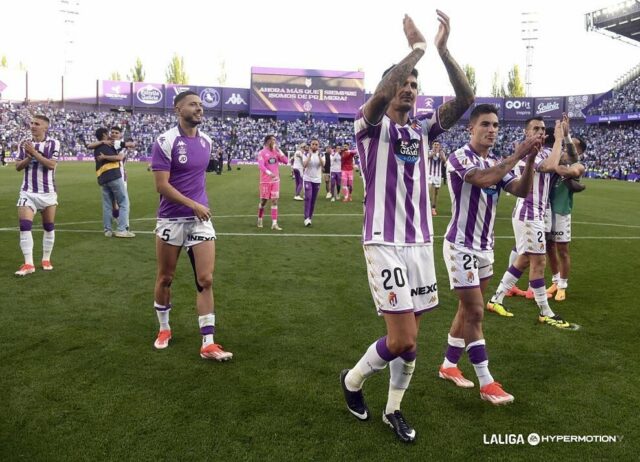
{"x": 622, "y": 19}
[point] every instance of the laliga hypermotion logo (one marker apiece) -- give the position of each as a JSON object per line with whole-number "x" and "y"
{"x": 393, "y": 299}
{"x": 469, "y": 276}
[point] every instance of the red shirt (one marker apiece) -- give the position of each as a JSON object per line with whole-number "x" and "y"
{"x": 347, "y": 160}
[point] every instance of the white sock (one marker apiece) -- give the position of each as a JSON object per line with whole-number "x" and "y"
{"x": 540, "y": 295}
{"x": 207, "y": 324}
{"x": 507, "y": 282}
{"x": 482, "y": 367}
{"x": 401, "y": 373}
{"x": 48, "y": 239}
{"x": 563, "y": 283}
{"x": 555, "y": 278}
{"x": 163, "y": 315}
{"x": 369, "y": 364}
{"x": 26, "y": 245}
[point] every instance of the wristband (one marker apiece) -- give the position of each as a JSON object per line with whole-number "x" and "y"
{"x": 420, "y": 45}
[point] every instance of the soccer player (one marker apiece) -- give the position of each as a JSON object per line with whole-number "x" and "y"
{"x": 529, "y": 228}
{"x": 313, "y": 163}
{"x": 559, "y": 217}
{"x": 38, "y": 158}
{"x": 397, "y": 229}
{"x": 297, "y": 169}
{"x": 179, "y": 162}
{"x": 336, "y": 173}
{"x": 268, "y": 159}
{"x": 475, "y": 178}
{"x": 346, "y": 164}
{"x": 437, "y": 159}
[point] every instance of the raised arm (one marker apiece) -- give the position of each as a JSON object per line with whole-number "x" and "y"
{"x": 484, "y": 178}
{"x": 377, "y": 105}
{"x": 575, "y": 170}
{"x": 550, "y": 164}
{"x": 572, "y": 152}
{"x": 521, "y": 186}
{"x": 451, "y": 111}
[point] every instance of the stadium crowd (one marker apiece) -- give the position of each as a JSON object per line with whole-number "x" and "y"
{"x": 614, "y": 151}
{"x": 623, "y": 101}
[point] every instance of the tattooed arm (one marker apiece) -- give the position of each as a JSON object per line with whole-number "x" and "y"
{"x": 483, "y": 178}
{"x": 377, "y": 105}
{"x": 451, "y": 111}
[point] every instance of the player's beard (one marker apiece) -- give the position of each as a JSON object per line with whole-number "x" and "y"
{"x": 191, "y": 120}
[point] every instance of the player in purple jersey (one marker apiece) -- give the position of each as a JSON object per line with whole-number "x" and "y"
{"x": 397, "y": 229}
{"x": 529, "y": 226}
{"x": 38, "y": 158}
{"x": 437, "y": 159}
{"x": 475, "y": 178}
{"x": 179, "y": 162}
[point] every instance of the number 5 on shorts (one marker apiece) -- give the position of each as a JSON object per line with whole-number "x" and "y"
{"x": 165, "y": 235}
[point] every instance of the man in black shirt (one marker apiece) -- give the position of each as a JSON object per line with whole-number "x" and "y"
{"x": 112, "y": 183}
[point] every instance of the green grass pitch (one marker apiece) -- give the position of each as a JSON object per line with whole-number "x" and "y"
{"x": 80, "y": 380}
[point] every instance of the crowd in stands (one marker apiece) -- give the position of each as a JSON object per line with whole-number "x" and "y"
{"x": 614, "y": 151}
{"x": 623, "y": 101}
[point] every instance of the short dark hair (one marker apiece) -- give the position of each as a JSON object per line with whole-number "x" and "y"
{"x": 414, "y": 71}
{"x": 482, "y": 109}
{"x": 41, "y": 117}
{"x": 182, "y": 96}
{"x": 101, "y": 132}
{"x": 581, "y": 141}
{"x": 115, "y": 127}
{"x": 538, "y": 118}
{"x": 268, "y": 137}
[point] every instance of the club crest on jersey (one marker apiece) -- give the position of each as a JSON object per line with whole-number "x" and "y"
{"x": 393, "y": 299}
{"x": 272, "y": 160}
{"x": 408, "y": 151}
{"x": 469, "y": 276}
{"x": 182, "y": 158}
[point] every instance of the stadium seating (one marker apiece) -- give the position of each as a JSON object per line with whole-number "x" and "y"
{"x": 614, "y": 151}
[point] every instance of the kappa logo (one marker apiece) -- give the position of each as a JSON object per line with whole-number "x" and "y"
{"x": 181, "y": 143}
{"x": 393, "y": 299}
{"x": 235, "y": 99}
{"x": 433, "y": 299}
{"x": 453, "y": 269}
{"x": 455, "y": 281}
